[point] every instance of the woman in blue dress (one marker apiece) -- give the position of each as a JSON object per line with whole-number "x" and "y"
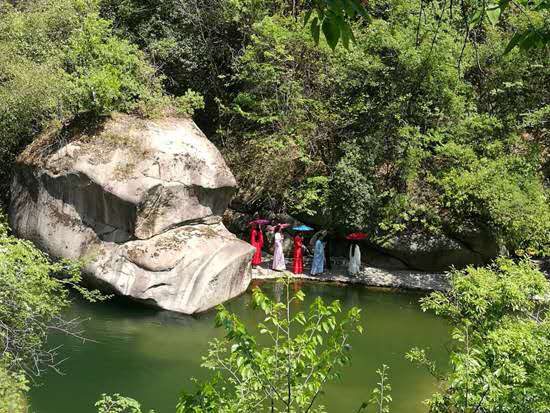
{"x": 318, "y": 265}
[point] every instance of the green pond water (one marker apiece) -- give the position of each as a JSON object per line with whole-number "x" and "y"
{"x": 151, "y": 355}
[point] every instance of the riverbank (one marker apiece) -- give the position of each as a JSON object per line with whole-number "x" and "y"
{"x": 369, "y": 276}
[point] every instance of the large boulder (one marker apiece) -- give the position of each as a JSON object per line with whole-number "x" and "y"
{"x": 432, "y": 252}
{"x": 141, "y": 202}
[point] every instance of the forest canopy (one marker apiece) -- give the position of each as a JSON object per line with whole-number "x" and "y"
{"x": 423, "y": 124}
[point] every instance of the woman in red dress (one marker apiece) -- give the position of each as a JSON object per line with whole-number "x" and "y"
{"x": 257, "y": 241}
{"x": 298, "y": 260}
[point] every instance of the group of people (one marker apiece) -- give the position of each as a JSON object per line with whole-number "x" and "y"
{"x": 279, "y": 261}
{"x": 321, "y": 253}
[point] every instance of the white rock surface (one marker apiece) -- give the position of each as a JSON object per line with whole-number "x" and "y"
{"x": 141, "y": 201}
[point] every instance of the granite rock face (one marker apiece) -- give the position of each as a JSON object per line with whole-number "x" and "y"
{"x": 432, "y": 252}
{"x": 141, "y": 201}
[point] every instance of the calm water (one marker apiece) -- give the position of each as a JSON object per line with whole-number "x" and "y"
{"x": 151, "y": 355}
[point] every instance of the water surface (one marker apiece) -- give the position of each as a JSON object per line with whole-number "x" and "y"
{"x": 151, "y": 355}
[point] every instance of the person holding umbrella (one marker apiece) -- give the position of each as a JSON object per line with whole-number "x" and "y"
{"x": 354, "y": 265}
{"x": 257, "y": 240}
{"x": 298, "y": 257}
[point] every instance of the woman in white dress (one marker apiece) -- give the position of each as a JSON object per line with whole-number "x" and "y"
{"x": 354, "y": 265}
{"x": 279, "y": 263}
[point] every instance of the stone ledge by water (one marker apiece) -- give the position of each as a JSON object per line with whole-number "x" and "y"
{"x": 369, "y": 276}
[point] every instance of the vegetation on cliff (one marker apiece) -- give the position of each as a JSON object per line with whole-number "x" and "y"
{"x": 60, "y": 58}
{"x": 419, "y": 126}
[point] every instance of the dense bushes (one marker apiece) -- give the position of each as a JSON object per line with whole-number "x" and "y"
{"x": 59, "y": 58}
{"x": 500, "y": 340}
{"x": 402, "y": 137}
{"x": 408, "y": 130}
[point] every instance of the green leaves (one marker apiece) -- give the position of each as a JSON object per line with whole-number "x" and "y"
{"x": 535, "y": 36}
{"x": 118, "y": 404}
{"x": 500, "y": 323}
{"x": 299, "y": 353}
{"x": 315, "y": 30}
{"x": 493, "y": 12}
{"x": 331, "y": 30}
{"x": 334, "y": 18}
{"x": 13, "y": 386}
{"x": 529, "y": 39}
{"x": 508, "y": 195}
{"x": 60, "y": 58}
{"x": 31, "y": 302}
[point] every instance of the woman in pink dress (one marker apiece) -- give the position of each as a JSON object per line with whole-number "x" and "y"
{"x": 257, "y": 241}
{"x": 279, "y": 263}
{"x": 298, "y": 260}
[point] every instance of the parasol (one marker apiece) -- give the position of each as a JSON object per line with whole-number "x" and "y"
{"x": 259, "y": 222}
{"x": 303, "y": 228}
{"x": 356, "y": 236}
{"x": 271, "y": 228}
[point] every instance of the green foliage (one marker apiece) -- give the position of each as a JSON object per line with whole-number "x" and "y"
{"x": 333, "y": 20}
{"x": 188, "y": 103}
{"x": 283, "y": 369}
{"x": 59, "y": 58}
{"x": 501, "y": 340}
{"x": 353, "y": 195}
{"x": 505, "y": 193}
{"x": 357, "y": 138}
{"x": 118, "y": 404}
{"x": 191, "y": 42}
{"x": 105, "y": 72}
{"x": 311, "y": 197}
{"x": 12, "y": 389}
{"x": 31, "y": 301}
{"x": 536, "y": 34}
{"x": 392, "y": 125}
{"x": 381, "y": 396}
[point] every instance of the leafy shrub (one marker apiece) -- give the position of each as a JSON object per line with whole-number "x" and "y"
{"x": 188, "y": 103}
{"x": 500, "y": 340}
{"x": 504, "y": 193}
{"x": 31, "y": 301}
{"x": 107, "y": 73}
{"x": 60, "y": 58}
{"x": 13, "y": 386}
{"x": 306, "y": 350}
{"x": 118, "y": 404}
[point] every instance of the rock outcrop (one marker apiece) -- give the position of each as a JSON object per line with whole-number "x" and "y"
{"x": 437, "y": 252}
{"x": 141, "y": 202}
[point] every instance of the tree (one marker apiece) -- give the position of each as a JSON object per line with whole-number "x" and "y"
{"x": 500, "y": 340}
{"x": 283, "y": 369}
{"x": 31, "y": 302}
{"x": 59, "y": 59}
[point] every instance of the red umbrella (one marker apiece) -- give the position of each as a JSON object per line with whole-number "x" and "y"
{"x": 356, "y": 236}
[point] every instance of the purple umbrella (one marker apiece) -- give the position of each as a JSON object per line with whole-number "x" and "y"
{"x": 259, "y": 222}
